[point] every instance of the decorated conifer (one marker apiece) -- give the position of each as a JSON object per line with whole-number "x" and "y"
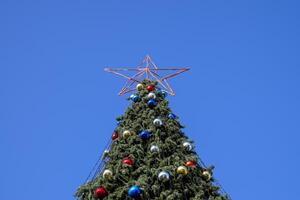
{"x": 150, "y": 157}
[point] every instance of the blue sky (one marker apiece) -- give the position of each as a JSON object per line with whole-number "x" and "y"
{"x": 240, "y": 101}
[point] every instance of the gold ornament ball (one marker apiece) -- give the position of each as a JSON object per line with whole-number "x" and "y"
{"x": 126, "y": 134}
{"x": 107, "y": 174}
{"x": 207, "y": 175}
{"x": 139, "y": 87}
{"x": 182, "y": 170}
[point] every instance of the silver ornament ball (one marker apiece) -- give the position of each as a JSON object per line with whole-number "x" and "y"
{"x": 157, "y": 122}
{"x": 188, "y": 146}
{"x": 151, "y": 95}
{"x": 105, "y": 153}
{"x": 164, "y": 176}
{"x": 154, "y": 149}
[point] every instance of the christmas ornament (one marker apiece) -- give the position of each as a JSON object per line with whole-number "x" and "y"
{"x": 164, "y": 93}
{"x": 188, "y": 146}
{"x": 105, "y": 153}
{"x": 151, "y": 95}
{"x": 182, "y": 170}
{"x": 126, "y": 134}
{"x": 207, "y": 175}
{"x": 157, "y": 122}
{"x": 154, "y": 149}
{"x": 134, "y": 191}
{"x": 107, "y": 174}
{"x": 151, "y": 103}
{"x": 134, "y": 98}
{"x": 114, "y": 136}
{"x": 163, "y": 176}
{"x": 100, "y": 192}
{"x": 127, "y": 161}
{"x": 149, "y": 71}
{"x": 190, "y": 163}
{"x": 150, "y": 88}
{"x": 144, "y": 135}
{"x": 139, "y": 87}
{"x": 172, "y": 116}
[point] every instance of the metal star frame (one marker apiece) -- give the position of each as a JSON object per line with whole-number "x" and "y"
{"x": 149, "y": 71}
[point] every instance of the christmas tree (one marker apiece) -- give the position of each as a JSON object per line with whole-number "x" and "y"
{"x": 150, "y": 157}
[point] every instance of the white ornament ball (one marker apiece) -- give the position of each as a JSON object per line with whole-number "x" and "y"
{"x": 151, "y": 95}
{"x": 157, "y": 122}
{"x": 164, "y": 176}
{"x": 107, "y": 174}
{"x": 188, "y": 146}
{"x": 154, "y": 149}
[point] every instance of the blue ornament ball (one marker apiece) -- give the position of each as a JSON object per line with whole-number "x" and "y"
{"x": 152, "y": 103}
{"x": 172, "y": 116}
{"x": 134, "y": 191}
{"x": 134, "y": 98}
{"x": 144, "y": 135}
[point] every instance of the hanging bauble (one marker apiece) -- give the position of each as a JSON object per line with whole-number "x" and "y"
{"x": 154, "y": 149}
{"x": 163, "y": 176}
{"x": 126, "y": 134}
{"x": 105, "y": 153}
{"x": 207, "y": 175}
{"x": 114, "y": 136}
{"x": 144, "y": 135}
{"x": 172, "y": 116}
{"x": 127, "y": 161}
{"x": 190, "y": 163}
{"x": 100, "y": 192}
{"x": 151, "y": 95}
{"x": 139, "y": 86}
{"x": 150, "y": 88}
{"x": 134, "y": 98}
{"x": 151, "y": 103}
{"x": 182, "y": 170}
{"x": 188, "y": 146}
{"x": 157, "y": 122}
{"x": 107, "y": 174}
{"x": 164, "y": 93}
{"x": 134, "y": 191}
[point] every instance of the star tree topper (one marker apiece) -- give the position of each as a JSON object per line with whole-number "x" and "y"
{"x": 149, "y": 71}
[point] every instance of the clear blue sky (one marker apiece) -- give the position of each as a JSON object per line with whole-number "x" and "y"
{"x": 240, "y": 101}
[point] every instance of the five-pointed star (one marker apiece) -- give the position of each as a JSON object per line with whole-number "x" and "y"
{"x": 146, "y": 70}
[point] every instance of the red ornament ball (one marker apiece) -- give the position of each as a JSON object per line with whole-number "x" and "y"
{"x": 127, "y": 161}
{"x": 150, "y": 88}
{"x": 114, "y": 136}
{"x": 190, "y": 163}
{"x": 100, "y": 192}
